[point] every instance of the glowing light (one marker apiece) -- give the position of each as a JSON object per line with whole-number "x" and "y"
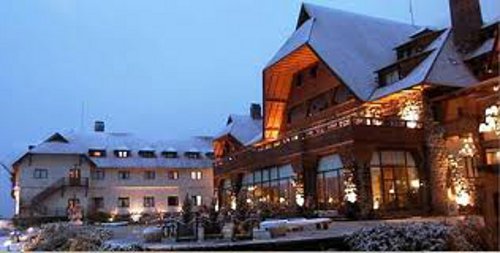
{"x": 299, "y": 199}
{"x": 136, "y": 217}
{"x": 376, "y": 204}
{"x": 233, "y": 203}
{"x": 249, "y": 201}
{"x": 468, "y": 148}
{"x": 330, "y": 200}
{"x": 282, "y": 200}
{"x": 410, "y": 112}
{"x": 251, "y": 188}
{"x": 491, "y": 121}
{"x": 463, "y": 198}
{"x": 415, "y": 183}
{"x": 392, "y": 191}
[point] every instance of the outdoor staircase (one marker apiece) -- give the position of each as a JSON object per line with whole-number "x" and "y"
{"x": 35, "y": 204}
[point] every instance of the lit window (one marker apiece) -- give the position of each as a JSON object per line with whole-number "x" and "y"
{"x": 173, "y": 175}
{"x": 124, "y": 175}
{"x": 196, "y": 175}
{"x": 122, "y": 153}
{"x": 40, "y": 173}
{"x": 492, "y": 156}
{"x": 149, "y": 175}
{"x": 197, "y": 200}
{"x": 123, "y": 202}
{"x": 149, "y": 201}
{"x": 97, "y": 152}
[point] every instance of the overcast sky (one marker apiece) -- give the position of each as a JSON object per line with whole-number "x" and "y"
{"x": 162, "y": 69}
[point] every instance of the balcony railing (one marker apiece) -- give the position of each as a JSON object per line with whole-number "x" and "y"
{"x": 320, "y": 129}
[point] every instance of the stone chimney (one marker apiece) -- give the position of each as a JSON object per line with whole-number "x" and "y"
{"x": 98, "y": 126}
{"x": 466, "y": 22}
{"x": 255, "y": 111}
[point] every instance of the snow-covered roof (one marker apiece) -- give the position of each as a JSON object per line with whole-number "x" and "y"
{"x": 81, "y": 142}
{"x": 355, "y": 46}
{"x": 486, "y": 47}
{"x": 243, "y": 128}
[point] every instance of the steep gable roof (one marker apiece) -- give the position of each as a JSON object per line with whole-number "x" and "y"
{"x": 353, "y": 46}
{"x": 243, "y": 128}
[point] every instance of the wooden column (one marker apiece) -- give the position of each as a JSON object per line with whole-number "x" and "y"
{"x": 305, "y": 166}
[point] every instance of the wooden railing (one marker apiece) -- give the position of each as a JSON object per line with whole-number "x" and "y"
{"x": 320, "y": 129}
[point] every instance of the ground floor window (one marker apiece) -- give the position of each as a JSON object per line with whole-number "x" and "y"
{"x": 149, "y": 201}
{"x": 197, "y": 200}
{"x": 98, "y": 202}
{"x": 329, "y": 182}
{"x": 492, "y": 156}
{"x": 173, "y": 201}
{"x": 394, "y": 180}
{"x": 123, "y": 202}
{"x": 275, "y": 185}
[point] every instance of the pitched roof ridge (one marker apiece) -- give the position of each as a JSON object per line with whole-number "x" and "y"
{"x": 356, "y": 14}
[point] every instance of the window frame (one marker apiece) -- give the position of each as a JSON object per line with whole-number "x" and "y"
{"x": 173, "y": 197}
{"x": 40, "y": 173}
{"x": 149, "y": 175}
{"x": 98, "y": 174}
{"x": 175, "y": 174}
{"x": 148, "y": 201}
{"x": 123, "y": 202}
{"x": 124, "y": 172}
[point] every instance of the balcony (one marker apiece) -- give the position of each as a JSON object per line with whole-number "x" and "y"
{"x": 381, "y": 131}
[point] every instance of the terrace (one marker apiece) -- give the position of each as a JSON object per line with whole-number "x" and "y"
{"x": 336, "y": 132}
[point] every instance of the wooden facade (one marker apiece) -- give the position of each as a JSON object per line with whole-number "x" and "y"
{"x": 389, "y": 155}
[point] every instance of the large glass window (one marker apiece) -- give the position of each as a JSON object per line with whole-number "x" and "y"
{"x": 273, "y": 184}
{"x": 329, "y": 182}
{"x": 394, "y": 179}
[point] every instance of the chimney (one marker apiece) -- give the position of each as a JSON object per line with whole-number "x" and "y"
{"x": 255, "y": 111}
{"x": 99, "y": 126}
{"x": 466, "y": 22}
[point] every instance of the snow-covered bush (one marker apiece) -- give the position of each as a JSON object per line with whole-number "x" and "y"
{"x": 67, "y": 237}
{"x": 424, "y": 236}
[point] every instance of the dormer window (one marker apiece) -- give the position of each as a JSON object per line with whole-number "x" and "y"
{"x": 147, "y": 153}
{"x": 122, "y": 153}
{"x": 192, "y": 155}
{"x": 391, "y": 77}
{"x": 97, "y": 153}
{"x": 210, "y": 155}
{"x": 169, "y": 154}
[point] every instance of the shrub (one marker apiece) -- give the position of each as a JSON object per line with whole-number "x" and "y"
{"x": 424, "y": 236}
{"x": 99, "y": 217}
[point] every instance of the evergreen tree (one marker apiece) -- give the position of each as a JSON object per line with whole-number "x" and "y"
{"x": 187, "y": 210}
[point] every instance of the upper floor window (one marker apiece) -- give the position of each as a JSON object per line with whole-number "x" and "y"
{"x": 169, "y": 154}
{"x": 123, "y": 202}
{"x": 492, "y": 156}
{"x": 124, "y": 175}
{"x": 97, "y": 153}
{"x": 192, "y": 155}
{"x": 196, "y": 175}
{"x": 313, "y": 71}
{"x": 149, "y": 201}
{"x": 340, "y": 95}
{"x": 299, "y": 79}
{"x": 40, "y": 173}
{"x": 122, "y": 153}
{"x": 210, "y": 155}
{"x": 149, "y": 175}
{"x": 97, "y": 174}
{"x": 391, "y": 77}
{"x": 147, "y": 153}
{"x": 173, "y": 175}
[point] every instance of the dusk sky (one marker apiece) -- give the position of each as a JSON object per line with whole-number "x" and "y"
{"x": 161, "y": 69}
